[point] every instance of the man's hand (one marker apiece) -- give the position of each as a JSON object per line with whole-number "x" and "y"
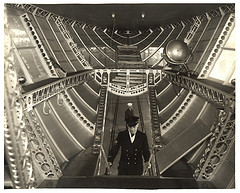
{"x": 148, "y": 165}
{"x": 110, "y": 164}
{"x": 107, "y": 171}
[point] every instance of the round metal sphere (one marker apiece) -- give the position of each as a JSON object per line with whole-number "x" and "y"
{"x": 177, "y": 51}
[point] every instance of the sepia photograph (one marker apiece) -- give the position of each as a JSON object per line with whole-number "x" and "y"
{"x": 119, "y": 95}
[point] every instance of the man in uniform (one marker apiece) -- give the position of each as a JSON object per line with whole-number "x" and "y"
{"x": 129, "y": 111}
{"x": 134, "y": 148}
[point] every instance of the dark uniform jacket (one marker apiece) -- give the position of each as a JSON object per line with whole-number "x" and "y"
{"x": 132, "y": 154}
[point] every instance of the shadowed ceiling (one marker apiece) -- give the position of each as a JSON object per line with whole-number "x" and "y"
{"x": 128, "y": 16}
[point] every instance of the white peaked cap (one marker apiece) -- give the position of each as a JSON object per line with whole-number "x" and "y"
{"x": 129, "y": 104}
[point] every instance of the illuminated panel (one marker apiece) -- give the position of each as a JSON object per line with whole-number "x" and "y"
{"x": 28, "y": 58}
{"x": 33, "y": 64}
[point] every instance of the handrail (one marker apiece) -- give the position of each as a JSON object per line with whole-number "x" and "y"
{"x": 105, "y": 158}
{"x": 193, "y": 30}
{"x": 59, "y": 43}
{"x": 66, "y": 34}
{"x": 210, "y": 93}
{"x": 220, "y": 143}
{"x": 100, "y": 123}
{"x": 39, "y": 95}
{"x": 156, "y": 127}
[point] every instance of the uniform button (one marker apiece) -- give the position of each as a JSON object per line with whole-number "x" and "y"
{"x": 128, "y": 163}
{"x": 135, "y": 154}
{"x": 126, "y": 150}
{"x": 135, "y": 163}
{"x": 135, "y": 158}
{"x": 128, "y": 158}
{"x": 135, "y": 149}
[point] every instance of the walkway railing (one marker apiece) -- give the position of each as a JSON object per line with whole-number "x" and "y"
{"x": 220, "y": 143}
{"x": 216, "y": 96}
{"x": 126, "y": 90}
{"x": 40, "y": 94}
{"x": 66, "y": 34}
{"x": 100, "y": 123}
{"x": 193, "y": 29}
{"x": 157, "y": 139}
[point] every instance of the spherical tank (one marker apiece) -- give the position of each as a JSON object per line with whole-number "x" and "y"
{"x": 177, "y": 51}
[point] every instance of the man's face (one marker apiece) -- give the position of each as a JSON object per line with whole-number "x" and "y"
{"x": 133, "y": 129}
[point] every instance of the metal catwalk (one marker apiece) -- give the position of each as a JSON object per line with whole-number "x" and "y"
{"x": 115, "y": 120}
{"x": 77, "y": 174}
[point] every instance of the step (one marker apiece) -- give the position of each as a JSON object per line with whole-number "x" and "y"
{"x": 129, "y": 55}
{"x": 121, "y": 74}
{"x": 120, "y": 77}
{"x": 137, "y": 59}
{"x": 131, "y": 66}
{"x": 120, "y": 84}
{"x": 131, "y": 62}
{"x": 126, "y": 182}
{"x": 131, "y": 74}
{"x": 128, "y": 52}
{"x": 126, "y": 47}
{"x": 131, "y": 77}
{"x": 118, "y": 80}
{"x": 136, "y": 81}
